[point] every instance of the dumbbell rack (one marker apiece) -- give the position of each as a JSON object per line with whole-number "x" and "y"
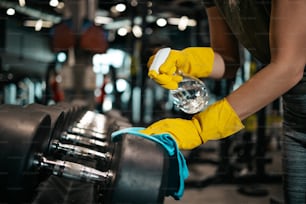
{"x": 53, "y": 154}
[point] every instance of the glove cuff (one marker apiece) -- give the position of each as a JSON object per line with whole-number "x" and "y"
{"x": 218, "y": 121}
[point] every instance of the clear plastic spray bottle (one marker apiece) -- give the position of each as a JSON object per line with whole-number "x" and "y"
{"x": 191, "y": 96}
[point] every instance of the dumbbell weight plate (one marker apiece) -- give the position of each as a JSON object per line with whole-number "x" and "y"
{"x": 69, "y": 113}
{"x": 21, "y": 136}
{"x": 57, "y": 122}
{"x": 139, "y": 167}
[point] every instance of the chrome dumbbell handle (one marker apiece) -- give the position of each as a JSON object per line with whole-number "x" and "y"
{"x": 85, "y": 141}
{"x": 74, "y": 150}
{"x": 87, "y": 133}
{"x": 72, "y": 170}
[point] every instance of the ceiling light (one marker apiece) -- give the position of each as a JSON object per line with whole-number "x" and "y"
{"x": 137, "y": 31}
{"x": 10, "y": 11}
{"x": 120, "y": 7}
{"x": 22, "y": 3}
{"x": 183, "y": 23}
{"x": 34, "y": 13}
{"x": 60, "y": 5}
{"x": 103, "y": 20}
{"x": 38, "y": 25}
{"x": 61, "y": 57}
{"x": 53, "y": 3}
{"x": 121, "y": 85}
{"x": 122, "y": 31}
{"x": 161, "y": 22}
{"x": 183, "y": 19}
{"x": 33, "y": 23}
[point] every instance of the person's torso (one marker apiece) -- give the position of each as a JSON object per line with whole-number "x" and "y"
{"x": 249, "y": 21}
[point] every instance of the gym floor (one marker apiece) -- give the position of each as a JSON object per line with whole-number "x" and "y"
{"x": 226, "y": 194}
{"x": 249, "y": 192}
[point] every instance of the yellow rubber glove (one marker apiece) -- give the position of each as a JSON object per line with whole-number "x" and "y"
{"x": 218, "y": 121}
{"x": 194, "y": 61}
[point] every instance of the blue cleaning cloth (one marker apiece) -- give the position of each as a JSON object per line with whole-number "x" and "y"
{"x": 169, "y": 145}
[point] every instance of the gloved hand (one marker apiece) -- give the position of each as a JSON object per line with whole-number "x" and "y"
{"x": 218, "y": 121}
{"x": 194, "y": 61}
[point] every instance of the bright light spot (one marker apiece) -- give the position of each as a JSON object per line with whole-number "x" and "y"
{"x": 103, "y": 20}
{"x": 120, "y": 7}
{"x": 22, "y": 3}
{"x": 99, "y": 80}
{"x": 102, "y": 68}
{"x": 60, "y": 5}
{"x": 192, "y": 22}
{"x": 58, "y": 79}
{"x": 177, "y": 21}
{"x": 107, "y": 104}
{"x": 10, "y": 11}
{"x": 122, "y": 31}
{"x": 97, "y": 92}
{"x": 99, "y": 59}
{"x": 38, "y": 25}
{"x": 161, "y": 22}
{"x": 95, "y": 59}
{"x": 61, "y": 57}
{"x": 183, "y": 23}
{"x": 53, "y": 3}
{"x": 121, "y": 85}
{"x": 137, "y": 31}
{"x": 109, "y": 88}
{"x": 101, "y": 63}
{"x": 32, "y": 23}
{"x": 115, "y": 57}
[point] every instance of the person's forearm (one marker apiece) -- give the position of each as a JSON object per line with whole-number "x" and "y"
{"x": 264, "y": 87}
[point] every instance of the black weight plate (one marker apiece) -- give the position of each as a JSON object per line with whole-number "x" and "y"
{"x": 139, "y": 167}
{"x": 57, "y": 121}
{"x": 68, "y": 110}
{"x": 22, "y": 134}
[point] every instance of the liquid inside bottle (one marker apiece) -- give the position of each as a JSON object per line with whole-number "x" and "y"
{"x": 191, "y": 95}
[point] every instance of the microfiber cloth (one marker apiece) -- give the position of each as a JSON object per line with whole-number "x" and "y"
{"x": 169, "y": 145}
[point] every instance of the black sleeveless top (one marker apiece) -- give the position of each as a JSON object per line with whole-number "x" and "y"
{"x": 249, "y": 22}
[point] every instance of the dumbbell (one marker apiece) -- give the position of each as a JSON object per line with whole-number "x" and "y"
{"x": 91, "y": 149}
{"x": 72, "y": 112}
{"x": 94, "y": 149}
{"x": 137, "y": 172}
{"x": 59, "y": 133}
{"x": 93, "y": 124}
{"x": 88, "y": 123}
{"x": 82, "y": 125}
{"x": 90, "y": 129}
{"x": 19, "y": 140}
{"x": 81, "y": 106}
{"x": 52, "y": 146}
